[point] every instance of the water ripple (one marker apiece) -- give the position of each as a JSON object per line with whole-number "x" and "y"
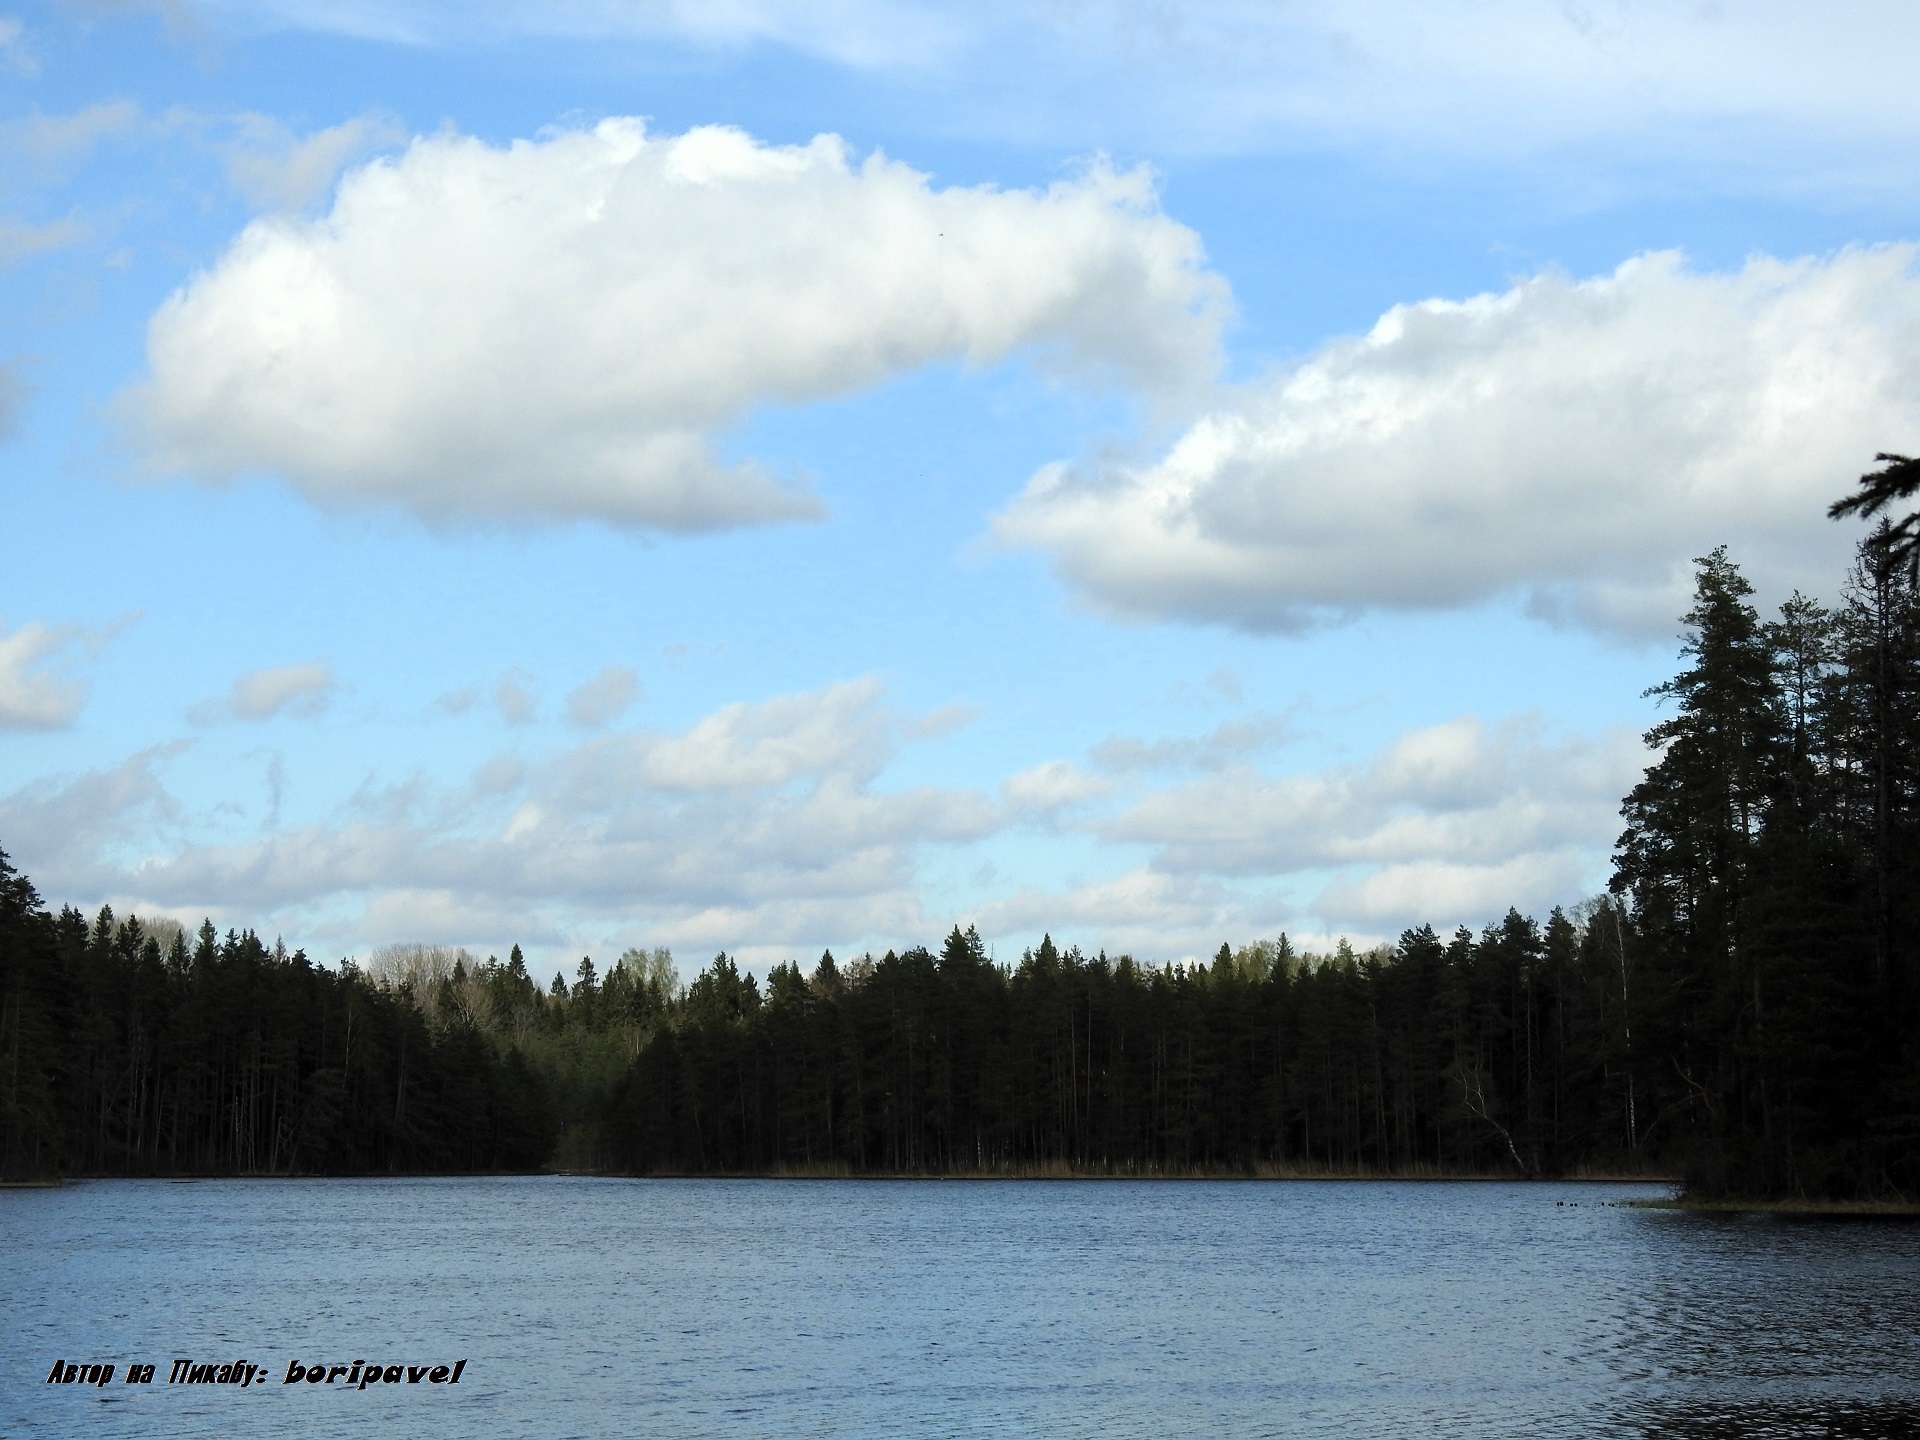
{"x": 715, "y": 1308}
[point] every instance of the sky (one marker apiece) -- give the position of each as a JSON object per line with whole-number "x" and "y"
{"x": 763, "y": 477}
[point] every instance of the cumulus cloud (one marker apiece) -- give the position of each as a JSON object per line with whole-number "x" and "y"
{"x": 33, "y": 696}
{"x": 303, "y": 690}
{"x": 601, "y": 699}
{"x": 562, "y": 327}
{"x": 1573, "y": 442}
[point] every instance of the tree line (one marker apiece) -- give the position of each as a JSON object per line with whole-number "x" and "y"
{"x": 131, "y": 1050}
{"x": 1742, "y": 1007}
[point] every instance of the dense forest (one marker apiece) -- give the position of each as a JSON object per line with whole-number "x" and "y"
{"x": 1739, "y": 1009}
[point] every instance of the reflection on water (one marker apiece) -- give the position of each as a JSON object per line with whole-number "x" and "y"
{"x": 761, "y": 1308}
{"x": 1777, "y": 1327}
{"x": 1793, "y": 1420}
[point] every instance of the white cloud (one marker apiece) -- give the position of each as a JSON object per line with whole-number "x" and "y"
{"x": 599, "y": 700}
{"x": 866, "y": 33}
{"x": 1513, "y": 77}
{"x": 1054, "y": 785}
{"x": 458, "y": 702}
{"x": 514, "y": 699}
{"x": 838, "y": 730}
{"x": 563, "y": 327}
{"x": 1228, "y": 742}
{"x": 1576, "y": 443}
{"x": 1447, "y": 824}
{"x": 1146, "y": 913}
{"x": 278, "y": 169}
{"x": 48, "y": 140}
{"x": 764, "y": 827}
{"x": 1397, "y": 897}
{"x": 31, "y": 696}
{"x": 1635, "y": 78}
{"x": 18, "y": 240}
{"x": 65, "y": 834}
{"x": 302, "y": 690}
{"x": 290, "y": 689}
{"x": 15, "y": 53}
{"x": 757, "y": 825}
{"x": 1459, "y": 792}
{"x": 271, "y": 164}
{"x": 13, "y": 400}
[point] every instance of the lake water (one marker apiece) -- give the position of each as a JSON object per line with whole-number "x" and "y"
{"x": 663, "y": 1309}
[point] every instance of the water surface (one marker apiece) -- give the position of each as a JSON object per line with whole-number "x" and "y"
{"x": 667, "y": 1309}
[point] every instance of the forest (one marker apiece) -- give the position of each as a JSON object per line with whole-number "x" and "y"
{"x": 1740, "y": 1010}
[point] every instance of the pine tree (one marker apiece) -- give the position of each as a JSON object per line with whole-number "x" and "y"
{"x": 1687, "y": 857}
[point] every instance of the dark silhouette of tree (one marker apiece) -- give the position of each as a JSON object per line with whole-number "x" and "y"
{"x": 1898, "y": 479}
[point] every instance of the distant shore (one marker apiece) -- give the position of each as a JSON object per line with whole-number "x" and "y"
{"x": 1271, "y": 1173}
{"x": 1077, "y": 1172}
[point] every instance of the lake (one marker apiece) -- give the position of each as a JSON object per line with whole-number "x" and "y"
{"x": 668, "y": 1308}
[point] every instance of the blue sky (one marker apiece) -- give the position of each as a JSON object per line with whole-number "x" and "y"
{"x": 769, "y": 477}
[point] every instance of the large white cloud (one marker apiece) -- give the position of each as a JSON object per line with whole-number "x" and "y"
{"x": 1577, "y": 442}
{"x": 561, "y": 327}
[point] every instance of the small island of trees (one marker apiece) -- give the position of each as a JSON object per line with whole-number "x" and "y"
{"x": 1740, "y": 1010}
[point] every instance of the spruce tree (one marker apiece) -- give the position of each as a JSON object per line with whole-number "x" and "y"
{"x": 1687, "y": 856}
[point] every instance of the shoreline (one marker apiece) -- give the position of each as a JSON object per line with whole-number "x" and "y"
{"x": 1060, "y": 1174}
{"x": 1263, "y": 1176}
